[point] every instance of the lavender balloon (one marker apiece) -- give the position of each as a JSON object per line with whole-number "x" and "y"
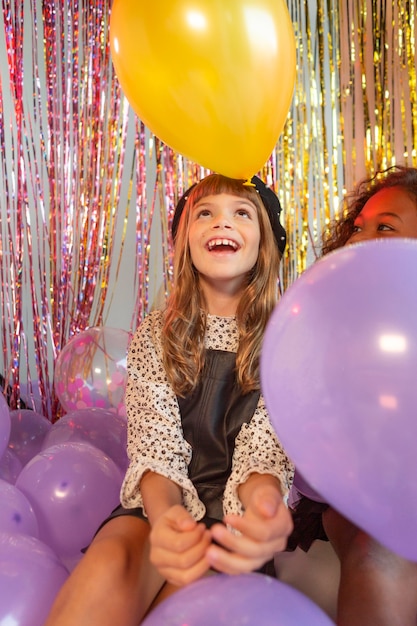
{"x": 5, "y": 425}
{"x": 30, "y": 577}
{"x": 102, "y": 428}
{"x": 28, "y": 430}
{"x": 302, "y": 487}
{"x": 338, "y": 371}
{"x": 10, "y": 466}
{"x": 247, "y": 599}
{"x": 72, "y": 488}
{"x": 16, "y": 512}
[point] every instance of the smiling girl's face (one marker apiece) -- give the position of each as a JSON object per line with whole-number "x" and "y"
{"x": 224, "y": 238}
{"x": 391, "y": 212}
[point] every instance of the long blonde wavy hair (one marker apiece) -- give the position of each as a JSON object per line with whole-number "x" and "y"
{"x": 185, "y": 318}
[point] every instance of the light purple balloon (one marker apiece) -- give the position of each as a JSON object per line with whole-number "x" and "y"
{"x": 30, "y": 577}
{"x": 72, "y": 487}
{"x": 16, "y": 512}
{"x": 338, "y": 371}
{"x": 10, "y": 466}
{"x": 28, "y": 430}
{"x": 301, "y": 487}
{"x": 247, "y": 599}
{"x": 5, "y": 425}
{"x": 104, "y": 429}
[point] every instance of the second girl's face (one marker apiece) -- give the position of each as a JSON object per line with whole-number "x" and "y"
{"x": 391, "y": 212}
{"x": 224, "y": 238}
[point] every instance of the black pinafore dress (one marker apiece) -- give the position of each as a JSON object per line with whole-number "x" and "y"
{"x": 212, "y": 416}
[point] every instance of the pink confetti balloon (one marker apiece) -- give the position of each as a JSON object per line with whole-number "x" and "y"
{"x": 90, "y": 370}
{"x": 30, "y": 577}
{"x": 72, "y": 487}
{"x": 100, "y": 427}
{"x": 28, "y": 430}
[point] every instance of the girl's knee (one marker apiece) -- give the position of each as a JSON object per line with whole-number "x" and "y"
{"x": 120, "y": 547}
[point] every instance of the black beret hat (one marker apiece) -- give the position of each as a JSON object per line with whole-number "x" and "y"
{"x": 269, "y": 199}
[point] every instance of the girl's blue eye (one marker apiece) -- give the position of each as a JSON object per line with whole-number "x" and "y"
{"x": 385, "y": 227}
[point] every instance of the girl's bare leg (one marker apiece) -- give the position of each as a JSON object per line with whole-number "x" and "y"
{"x": 377, "y": 586}
{"x": 114, "y": 583}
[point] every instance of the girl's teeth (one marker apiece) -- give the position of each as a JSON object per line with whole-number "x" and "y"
{"x": 222, "y": 242}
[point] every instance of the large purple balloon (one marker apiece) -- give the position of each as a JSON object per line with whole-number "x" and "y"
{"x": 302, "y": 488}
{"x": 28, "y": 430}
{"x": 30, "y": 577}
{"x": 102, "y": 428}
{"x": 72, "y": 488}
{"x": 10, "y": 466}
{"x": 4, "y": 424}
{"x": 16, "y": 512}
{"x": 338, "y": 370}
{"x": 247, "y": 599}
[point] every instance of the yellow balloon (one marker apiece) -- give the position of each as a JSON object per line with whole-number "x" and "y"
{"x": 213, "y": 79}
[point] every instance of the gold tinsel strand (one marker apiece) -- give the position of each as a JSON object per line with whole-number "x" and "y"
{"x": 378, "y": 78}
{"x": 309, "y": 153}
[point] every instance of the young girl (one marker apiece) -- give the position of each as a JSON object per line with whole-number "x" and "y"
{"x": 379, "y": 207}
{"x": 377, "y": 587}
{"x": 207, "y": 481}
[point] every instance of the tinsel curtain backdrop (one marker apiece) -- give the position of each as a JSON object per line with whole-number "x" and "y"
{"x": 87, "y": 193}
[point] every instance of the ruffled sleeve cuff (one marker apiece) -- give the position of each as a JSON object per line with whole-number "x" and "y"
{"x": 131, "y": 497}
{"x": 257, "y": 450}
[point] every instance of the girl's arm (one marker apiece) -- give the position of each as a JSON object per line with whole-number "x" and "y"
{"x": 157, "y": 477}
{"x": 155, "y": 439}
{"x": 257, "y": 451}
{"x": 159, "y": 494}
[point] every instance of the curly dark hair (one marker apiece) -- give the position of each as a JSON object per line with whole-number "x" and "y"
{"x": 339, "y": 231}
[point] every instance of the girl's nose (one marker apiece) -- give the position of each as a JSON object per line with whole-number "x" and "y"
{"x": 221, "y": 221}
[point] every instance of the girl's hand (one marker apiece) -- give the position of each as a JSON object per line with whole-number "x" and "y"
{"x": 264, "y": 529}
{"x": 179, "y": 545}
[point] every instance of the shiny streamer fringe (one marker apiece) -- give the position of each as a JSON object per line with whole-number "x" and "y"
{"x": 378, "y": 85}
{"x": 87, "y": 193}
